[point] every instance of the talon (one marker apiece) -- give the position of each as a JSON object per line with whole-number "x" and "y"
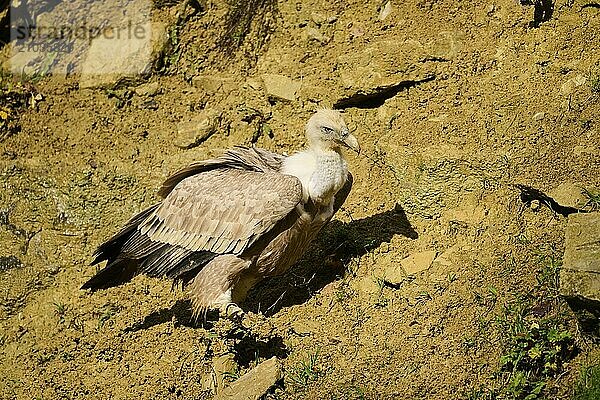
{"x": 233, "y": 312}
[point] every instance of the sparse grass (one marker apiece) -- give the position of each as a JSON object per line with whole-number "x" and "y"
{"x": 588, "y": 386}
{"x": 231, "y": 376}
{"x": 594, "y": 82}
{"x": 381, "y": 300}
{"x": 344, "y": 292}
{"x": 593, "y": 199}
{"x": 305, "y": 371}
{"x": 60, "y": 310}
{"x": 423, "y": 297}
{"x": 451, "y": 277}
{"x": 352, "y": 392}
{"x": 106, "y": 313}
{"x": 43, "y": 358}
{"x": 537, "y": 341}
{"x": 486, "y": 297}
{"x": 15, "y": 94}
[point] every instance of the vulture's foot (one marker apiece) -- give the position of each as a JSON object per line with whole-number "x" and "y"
{"x": 231, "y": 311}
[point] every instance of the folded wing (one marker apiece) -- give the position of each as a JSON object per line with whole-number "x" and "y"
{"x": 223, "y": 210}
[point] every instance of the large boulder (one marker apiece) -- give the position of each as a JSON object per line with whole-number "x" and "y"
{"x": 112, "y": 58}
{"x": 580, "y": 274}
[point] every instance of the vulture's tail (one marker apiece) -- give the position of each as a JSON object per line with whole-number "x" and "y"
{"x": 130, "y": 252}
{"x": 119, "y": 269}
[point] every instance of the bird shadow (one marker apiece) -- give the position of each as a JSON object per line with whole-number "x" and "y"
{"x": 338, "y": 243}
{"x": 325, "y": 262}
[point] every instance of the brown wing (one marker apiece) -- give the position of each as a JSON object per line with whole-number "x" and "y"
{"x": 223, "y": 210}
{"x": 248, "y": 158}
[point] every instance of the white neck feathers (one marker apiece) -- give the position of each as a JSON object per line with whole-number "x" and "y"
{"x": 322, "y": 173}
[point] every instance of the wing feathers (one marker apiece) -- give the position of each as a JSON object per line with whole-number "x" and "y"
{"x": 223, "y": 210}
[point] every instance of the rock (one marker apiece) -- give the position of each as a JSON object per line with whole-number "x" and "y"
{"x": 148, "y": 89}
{"x": 193, "y": 133}
{"x": 573, "y": 83}
{"x": 445, "y": 47}
{"x": 255, "y": 383}
{"x": 539, "y": 116}
{"x": 212, "y": 84}
{"x": 385, "y": 11}
{"x": 224, "y": 367}
{"x": 445, "y": 259}
{"x": 418, "y": 262}
{"x": 316, "y": 35}
{"x": 24, "y": 62}
{"x": 318, "y": 18}
{"x": 279, "y": 87}
{"x": 579, "y": 276}
{"x": 568, "y": 194}
{"x": 123, "y": 55}
{"x": 384, "y": 67}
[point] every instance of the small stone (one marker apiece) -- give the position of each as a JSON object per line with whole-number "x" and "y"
{"x": 385, "y": 11}
{"x": 255, "y": 383}
{"x": 418, "y": 262}
{"x": 445, "y": 259}
{"x": 585, "y": 150}
{"x": 570, "y": 85}
{"x": 534, "y": 205}
{"x": 212, "y": 84}
{"x": 224, "y": 366}
{"x": 254, "y": 84}
{"x": 357, "y": 31}
{"x": 539, "y": 116}
{"x": 316, "y": 35}
{"x": 148, "y": 89}
{"x": 193, "y": 133}
{"x": 394, "y": 274}
{"x": 568, "y": 194}
{"x": 318, "y": 18}
{"x": 280, "y": 87}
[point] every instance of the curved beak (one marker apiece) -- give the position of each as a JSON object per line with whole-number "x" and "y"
{"x": 351, "y": 143}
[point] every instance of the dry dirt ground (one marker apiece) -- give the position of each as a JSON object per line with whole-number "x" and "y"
{"x": 489, "y": 94}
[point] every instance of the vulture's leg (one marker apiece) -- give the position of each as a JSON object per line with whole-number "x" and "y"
{"x": 212, "y": 287}
{"x": 246, "y": 282}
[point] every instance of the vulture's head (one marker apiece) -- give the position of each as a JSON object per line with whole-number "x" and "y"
{"x": 326, "y": 129}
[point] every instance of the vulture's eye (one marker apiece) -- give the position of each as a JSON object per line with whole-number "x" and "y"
{"x": 327, "y": 130}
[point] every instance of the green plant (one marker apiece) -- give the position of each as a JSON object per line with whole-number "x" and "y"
{"x": 537, "y": 341}
{"x": 594, "y": 82}
{"x": 423, "y": 297}
{"x": 306, "y": 371}
{"x": 588, "y": 386}
{"x": 106, "y": 313}
{"x": 593, "y": 199}
{"x": 60, "y": 310}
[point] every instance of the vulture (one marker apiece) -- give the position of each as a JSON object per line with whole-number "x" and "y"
{"x": 226, "y": 223}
